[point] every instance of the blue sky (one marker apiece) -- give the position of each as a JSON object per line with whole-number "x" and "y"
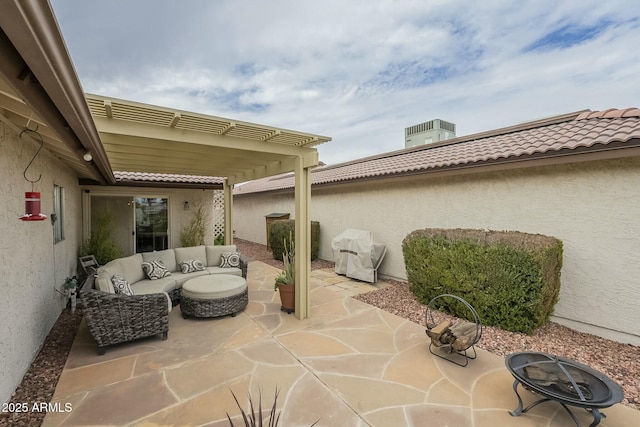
{"x": 360, "y": 71}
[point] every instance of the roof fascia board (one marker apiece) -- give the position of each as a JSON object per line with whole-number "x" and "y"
{"x": 54, "y": 91}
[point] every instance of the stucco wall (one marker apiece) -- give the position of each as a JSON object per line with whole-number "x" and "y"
{"x": 249, "y": 213}
{"x": 592, "y": 207}
{"x": 30, "y": 263}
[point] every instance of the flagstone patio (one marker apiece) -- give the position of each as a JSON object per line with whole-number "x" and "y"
{"x": 350, "y": 364}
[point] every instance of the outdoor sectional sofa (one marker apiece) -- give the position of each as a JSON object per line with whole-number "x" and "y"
{"x": 113, "y": 317}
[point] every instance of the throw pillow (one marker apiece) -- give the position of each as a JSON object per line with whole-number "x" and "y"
{"x": 191, "y": 265}
{"x": 121, "y": 286}
{"x": 155, "y": 269}
{"x": 229, "y": 259}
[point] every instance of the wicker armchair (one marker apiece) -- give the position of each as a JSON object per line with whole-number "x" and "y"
{"x": 244, "y": 265}
{"x": 114, "y": 318}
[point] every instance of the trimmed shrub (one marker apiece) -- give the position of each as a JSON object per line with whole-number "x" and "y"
{"x": 280, "y": 231}
{"x": 512, "y": 279}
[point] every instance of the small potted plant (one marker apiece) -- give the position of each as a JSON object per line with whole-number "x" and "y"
{"x": 286, "y": 280}
{"x": 70, "y": 290}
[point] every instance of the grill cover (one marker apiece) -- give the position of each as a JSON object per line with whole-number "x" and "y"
{"x": 356, "y": 255}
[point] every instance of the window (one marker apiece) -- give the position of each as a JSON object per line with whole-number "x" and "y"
{"x": 58, "y": 214}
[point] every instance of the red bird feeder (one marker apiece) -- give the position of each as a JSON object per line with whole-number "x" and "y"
{"x": 32, "y": 207}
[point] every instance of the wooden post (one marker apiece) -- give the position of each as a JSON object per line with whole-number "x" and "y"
{"x": 228, "y": 212}
{"x": 302, "y": 238}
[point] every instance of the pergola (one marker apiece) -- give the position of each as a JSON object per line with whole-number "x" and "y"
{"x": 146, "y": 138}
{"x": 39, "y": 87}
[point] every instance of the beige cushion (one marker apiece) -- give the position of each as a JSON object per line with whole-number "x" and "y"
{"x": 148, "y": 286}
{"x": 181, "y": 277}
{"x": 168, "y": 258}
{"x": 214, "y": 252}
{"x": 142, "y": 288}
{"x": 214, "y": 287}
{"x": 189, "y": 253}
{"x": 227, "y": 270}
{"x": 105, "y": 273}
{"x": 169, "y": 302}
{"x": 112, "y": 268}
{"x": 104, "y": 284}
{"x": 132, "y": 268}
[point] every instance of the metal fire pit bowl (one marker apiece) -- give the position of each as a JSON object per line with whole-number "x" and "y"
{"x": 564, "y": 381}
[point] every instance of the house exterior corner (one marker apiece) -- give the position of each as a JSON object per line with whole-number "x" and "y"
{"x": 32, "y": 264}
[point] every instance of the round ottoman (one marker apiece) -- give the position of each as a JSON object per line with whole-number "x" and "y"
{"x": 213, "y": 296}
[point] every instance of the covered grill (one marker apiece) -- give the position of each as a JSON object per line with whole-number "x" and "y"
{"x": 356, "y": 255}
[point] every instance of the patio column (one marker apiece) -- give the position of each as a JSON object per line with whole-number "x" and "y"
{"x": 228, "y": 212}
{"x": 303, "y": 238}
{"x": 86, "y": 215}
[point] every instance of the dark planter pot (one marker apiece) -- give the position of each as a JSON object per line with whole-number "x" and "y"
{"x": 287, "y": 298}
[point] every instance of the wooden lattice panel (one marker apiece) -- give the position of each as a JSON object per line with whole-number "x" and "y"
{"x": 218, "y": 212}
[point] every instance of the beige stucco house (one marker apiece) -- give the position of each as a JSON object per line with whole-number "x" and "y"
{"x": 575, "y": 177}
{"x": 86, "y": 153}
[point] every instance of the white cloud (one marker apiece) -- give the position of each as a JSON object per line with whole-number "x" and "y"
{"x": 360, "y": 71}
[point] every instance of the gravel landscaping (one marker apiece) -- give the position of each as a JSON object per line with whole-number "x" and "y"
{"x": 621, "y": 362}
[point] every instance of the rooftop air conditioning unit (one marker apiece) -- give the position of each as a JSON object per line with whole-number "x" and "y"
{"x": 428, "y": 132}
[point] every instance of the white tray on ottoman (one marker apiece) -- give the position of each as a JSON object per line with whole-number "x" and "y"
{"x": 213, "y": 296}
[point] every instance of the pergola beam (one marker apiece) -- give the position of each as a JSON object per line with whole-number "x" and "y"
{"x": 120, "y": 127}
{"x": 276, "y": 168}
{"x": 108, "y": 110}
{"x": 175, "y": 120}
{"x": 228, "y": 128}
{"x": 142, "y": 147}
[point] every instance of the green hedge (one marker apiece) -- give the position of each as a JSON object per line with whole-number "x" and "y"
{"x": 280, "y": 231}
{"x": 512, "y": 279}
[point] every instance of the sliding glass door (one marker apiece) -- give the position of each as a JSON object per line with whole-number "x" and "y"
{"x": 111, "y": 217}
{"x": 152, "y": 224}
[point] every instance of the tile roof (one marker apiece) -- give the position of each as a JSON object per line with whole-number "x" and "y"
{"x": 569, "y": 134}
{"x": 131, "y": 177}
